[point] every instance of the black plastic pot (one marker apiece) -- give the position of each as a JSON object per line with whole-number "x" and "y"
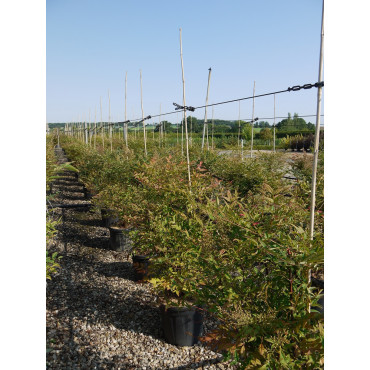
{"x": 141, "y": 264}
{"x": 119, "y": 239}
{"x": 319, "y": 284}
{"x": 181, "y": 326}
{"x": 50, "y": 191}
{"x": 108, "y": 218}
{"x": 87, "y": 193}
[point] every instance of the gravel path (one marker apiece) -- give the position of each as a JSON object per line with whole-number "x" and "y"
{"x": 97, "y": 316}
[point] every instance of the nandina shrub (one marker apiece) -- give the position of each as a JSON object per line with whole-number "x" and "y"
{"x": 247, "y": 175}
{"x": 245, "y": 259}
{"x": 302, "y": 170}
{"x": 261, "y": 287}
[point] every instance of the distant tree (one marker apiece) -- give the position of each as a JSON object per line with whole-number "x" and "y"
{"x": 266, "y": 134}
{"x": 247, "y": 132}
{"x": 222, "y": 128}
{"x": 194, "y": 124}
{"x": 292, "y": 124}
{"x": 310, "y": 126}
{"x": 262, "y": 124}
{"x": 166, "y": 126}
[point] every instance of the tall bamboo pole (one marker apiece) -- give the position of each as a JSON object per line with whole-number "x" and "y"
{"x": 317, "y": 133}
{"x": 184, "y": 104}
{"x": 252, "y": 123}
{"x": 205, "y": 128}
{"x": 274, "y": 123}
{"x": 86, "y": 132}
{"x": 101, "y": 123}
{"x": 90, "y": 127}
{"x": 182, "y": 137}
{"x": 160, "y": 125}
{"x": 213, "y": 127}
{"x": 239, "y": 126}
{"x": 110, "y": 126}
{"x": 142, "y": 111}
{"x": 95, "y": 130}
{"x": 125, "y": 128}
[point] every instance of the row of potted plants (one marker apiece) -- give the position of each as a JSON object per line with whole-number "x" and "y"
{"x": 234, "y": 245}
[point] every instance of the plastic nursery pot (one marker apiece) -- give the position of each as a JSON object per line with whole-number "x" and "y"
{"x": 108, "y": 217}
{"x": 317, "y": 283}
{"x": 141, "y": 264}
{"x": 181, "y": 326}
{"x": 50, "y": 191}
{"x": 87, "y": 193}
{"x": 119, "y": 239}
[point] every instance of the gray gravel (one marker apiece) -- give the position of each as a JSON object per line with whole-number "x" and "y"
{"x": 97, "y": 316}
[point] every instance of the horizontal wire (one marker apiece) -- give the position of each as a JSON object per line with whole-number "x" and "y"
{"x": 259, "y": 118}
{"x": 135, "y": 120}
{"x": 224, "y": 102}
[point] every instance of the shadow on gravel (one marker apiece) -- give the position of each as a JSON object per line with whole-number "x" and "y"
{"x": 93, "y": 223}
{"x": 74, "y": 197}
{"x": 122, "y": 270}
{"x": 65, "y": 182}
{"x": 99, "y": 242}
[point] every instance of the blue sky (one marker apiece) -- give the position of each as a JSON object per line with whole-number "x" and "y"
{"x": 91, "y": 44}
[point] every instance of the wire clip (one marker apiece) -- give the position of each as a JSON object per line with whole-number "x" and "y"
{"x": 306, "y": 86}
{"x": 192, "y": 109}
{"x": 142, "y": 120}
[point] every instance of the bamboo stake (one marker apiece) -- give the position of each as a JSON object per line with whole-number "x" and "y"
{"x": 252, "y": 123}
{"x": 317, "y": 139}
{"x": 125, "y": 128}
{"x": 317, "y": 133}
{"x": 160, "y": 125}
{"x": 213, "y": 126}
{"x": 110, "y": 126}
{"x": 89, "y": 127}
{"x": 239, "y": 126}
{"x": 182, "y": 137}
{"x": 274, "y": 124}
{"x": 101, "y": 123}
{"x": 142, "y": 112}
{"x": 86, "y": 133}
{"x": 184, "y": 104}
{"x": 205, "y": 127}
{"x": 95, "y": 130}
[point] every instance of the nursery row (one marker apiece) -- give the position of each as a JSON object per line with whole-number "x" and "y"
{"x": 236, "y": 243}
